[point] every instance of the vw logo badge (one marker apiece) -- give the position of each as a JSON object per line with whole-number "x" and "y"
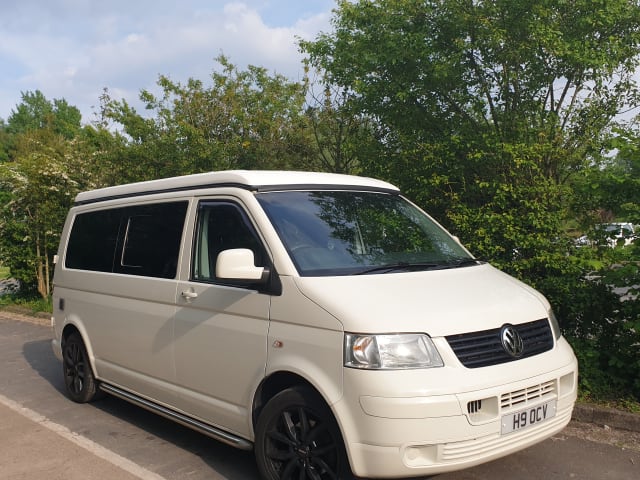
{"x": 511, "y": 341}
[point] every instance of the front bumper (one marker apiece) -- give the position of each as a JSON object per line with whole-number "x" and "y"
{"x": 408, "y": 435}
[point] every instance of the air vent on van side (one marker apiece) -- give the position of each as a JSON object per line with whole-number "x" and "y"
{"x": 474, "y": 406}
{"x": 484, "y": 348}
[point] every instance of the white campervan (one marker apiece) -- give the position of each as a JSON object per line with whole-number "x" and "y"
{"x": 322, "y": 320}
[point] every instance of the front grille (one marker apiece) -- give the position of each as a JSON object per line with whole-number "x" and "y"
{"x": 484, "y": 348}
{"x": 522, "y": 397}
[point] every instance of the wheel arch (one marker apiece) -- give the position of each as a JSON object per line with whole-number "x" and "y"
{"x": 282, "y": 382}
{"x": 276, "y": 383}
{"x": 71, "y": 328}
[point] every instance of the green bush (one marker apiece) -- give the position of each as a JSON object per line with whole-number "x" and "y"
{"x": 600, "y": 316}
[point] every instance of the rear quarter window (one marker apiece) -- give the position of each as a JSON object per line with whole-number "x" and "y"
{"x": 137, "y": 240}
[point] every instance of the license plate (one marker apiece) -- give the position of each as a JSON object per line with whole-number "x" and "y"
{"x": 514, "y": 422}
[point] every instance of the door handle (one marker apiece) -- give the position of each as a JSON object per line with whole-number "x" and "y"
{"x": 189, "y": 295}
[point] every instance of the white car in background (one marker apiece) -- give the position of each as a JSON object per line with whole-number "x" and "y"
{"x": 611, "y": 234}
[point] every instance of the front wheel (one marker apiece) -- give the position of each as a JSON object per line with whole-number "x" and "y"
{"x": 79, "y": 381}
{"x": 298, "y": 438}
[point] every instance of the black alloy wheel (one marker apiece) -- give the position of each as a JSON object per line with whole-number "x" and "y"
{"x": 79, "y": 381}
{"x": 297, "y": 438}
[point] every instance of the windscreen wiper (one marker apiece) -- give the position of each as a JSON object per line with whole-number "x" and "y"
{"x": 400, "y": 267}
{"x": 414, "y": 267}
{"x": 464, "y": 262}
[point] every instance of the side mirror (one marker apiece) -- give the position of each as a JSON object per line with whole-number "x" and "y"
{"x": 238, "y": 264}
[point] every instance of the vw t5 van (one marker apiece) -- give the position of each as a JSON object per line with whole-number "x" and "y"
{"x": 322, "y": 320}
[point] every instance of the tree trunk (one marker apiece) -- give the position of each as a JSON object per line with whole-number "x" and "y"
{"x": 42, "y": 270}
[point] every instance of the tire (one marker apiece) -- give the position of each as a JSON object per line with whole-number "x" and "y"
{"x": 298, "y": 438}
{"x": 79, "y": 382}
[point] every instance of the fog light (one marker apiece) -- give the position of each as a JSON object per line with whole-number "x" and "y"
{"x": 420, "y": 455}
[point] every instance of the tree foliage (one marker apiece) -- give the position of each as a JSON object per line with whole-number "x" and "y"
{"x": 40, "y": 174}
{"x": 244, "y": 119}
{"x": 35, "y": 112}
{"x": 39, "y": 186}
{"x": 515, "y": 69}
{"x": 342, "y": 135}
{"x": 606, "y": 321}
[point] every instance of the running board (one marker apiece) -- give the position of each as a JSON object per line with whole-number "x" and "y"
{"x": 205, "y": 429}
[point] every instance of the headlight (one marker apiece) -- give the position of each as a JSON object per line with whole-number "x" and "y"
{"x": 390, "y": 352}
{"x": 555, "y": 326}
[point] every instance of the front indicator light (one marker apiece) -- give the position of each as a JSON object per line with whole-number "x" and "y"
{"x": 555, "y": 326}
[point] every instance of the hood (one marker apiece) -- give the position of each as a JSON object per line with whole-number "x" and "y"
{"x": 437, "y": 302}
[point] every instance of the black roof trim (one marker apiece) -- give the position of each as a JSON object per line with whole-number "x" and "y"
{"x": 253, "y": 188}
{"x": 144, "y": 193}
{"x": 327, "y": 187}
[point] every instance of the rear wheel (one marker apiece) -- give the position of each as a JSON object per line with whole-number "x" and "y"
{"x": 79, "y": 381}
{"x": 298, "y": 438}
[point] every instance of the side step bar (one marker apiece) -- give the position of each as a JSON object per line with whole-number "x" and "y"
{"x": 205, "y": 429}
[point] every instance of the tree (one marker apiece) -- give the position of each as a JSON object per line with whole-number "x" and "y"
{"x": 35, "y": 112}
{"x": 341, "y": 135}
{"x": 473, "y": 98}
{"x": 41, "y": 188}
{"x": 615, "y": 186}
{"x": 245, "y": 119}
{"x": 40, "y": 174}
{"x": 5, "y": 142}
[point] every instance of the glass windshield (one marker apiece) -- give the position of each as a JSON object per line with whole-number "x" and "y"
{"x": 347, "y": 232}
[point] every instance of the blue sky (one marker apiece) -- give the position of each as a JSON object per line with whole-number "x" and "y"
{"x": 73, "y": 49}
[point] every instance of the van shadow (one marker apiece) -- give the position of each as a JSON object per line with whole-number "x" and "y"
{"x": 40, "y": 357}
{"x": 225, "y": 460}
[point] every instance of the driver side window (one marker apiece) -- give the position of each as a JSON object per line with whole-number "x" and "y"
{"x": 222, "y": 226}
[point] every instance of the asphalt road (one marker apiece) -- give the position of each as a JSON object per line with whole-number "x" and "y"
{"x": 43, "y": 435}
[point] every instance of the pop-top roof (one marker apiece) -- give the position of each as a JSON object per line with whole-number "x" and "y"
{"x": 257, "y": 180}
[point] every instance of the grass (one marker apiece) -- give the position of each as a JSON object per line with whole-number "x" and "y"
{"x": 626, "y": 404}
{"x": 4, "y": 273}
{"x": 30, "y": 305}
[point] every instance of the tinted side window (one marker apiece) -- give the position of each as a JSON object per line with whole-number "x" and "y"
{"x": 139, "y": 240}
{"x": 92, "y": 242}
{"x": 222, "y": 226}
{"x": 151, "y": 239}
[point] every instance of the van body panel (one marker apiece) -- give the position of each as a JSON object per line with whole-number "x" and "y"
{"x": 441, "y": 302}
{"x": 304, "y": 339}
{"x": 220, "y": 344}
{"x": 104, "y": 307}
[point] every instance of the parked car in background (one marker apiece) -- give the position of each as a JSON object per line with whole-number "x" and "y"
{"x": 609, "y": 234}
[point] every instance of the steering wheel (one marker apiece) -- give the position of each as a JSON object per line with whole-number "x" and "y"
{"x": 300, "y": 247}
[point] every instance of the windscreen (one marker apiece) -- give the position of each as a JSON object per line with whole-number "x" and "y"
{"x": 347, "y": 232}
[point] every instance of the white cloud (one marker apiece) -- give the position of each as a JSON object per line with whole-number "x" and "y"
{"x": 73, "y": 49}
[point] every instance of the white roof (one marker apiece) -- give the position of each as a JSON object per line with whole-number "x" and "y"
{"x": 252, "y": 179}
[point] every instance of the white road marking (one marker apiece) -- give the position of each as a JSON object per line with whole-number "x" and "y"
{"x": 83, "y": 442}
